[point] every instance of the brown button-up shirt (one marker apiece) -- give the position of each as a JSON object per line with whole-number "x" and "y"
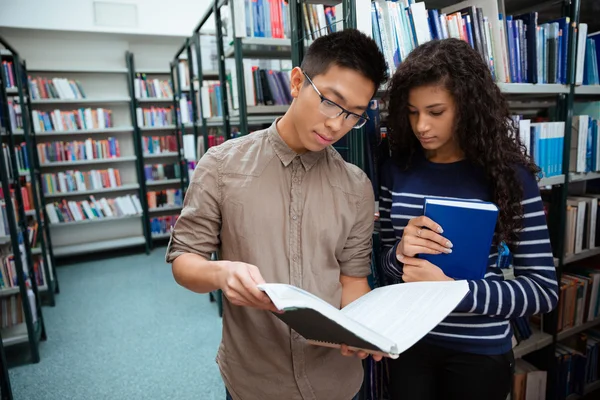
{"x": 302, "y": 220}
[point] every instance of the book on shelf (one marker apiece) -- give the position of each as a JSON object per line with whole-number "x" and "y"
{"x": 55, "y": 88}
{"x": 165, "y": 198}
{"x": 517, "y": 48}
{"x": 21, "y": 156}
{"x": 529, "y": 382}
{"x": 15, "y": 115}
{"x": 581, "y": 225}
{"x": 72, "y": 181}
{"x": 388, "y": 320}
{"x": 159, "y": 144}
{"x": 89, "y": 149}
{"x": 8, "y": 271}
{"x": 148, "y": 117}
{"x": 544, "y": 142}
{"x": 160, "y": 172}
{"x": 261, "y": 18}
{"x": 92, "y": 209}
{"x": 145, "y": 88}
{"x": 8, "y": 75}
{"x": 588, "y": 57}
{"x": 75, "y": 120}
{"x": 162, "y": 225}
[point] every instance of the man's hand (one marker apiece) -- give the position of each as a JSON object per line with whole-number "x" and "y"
{"x": 422, "y": 236}
{"x": 419, "y": 270}
{"x": 360, "y": 354}
{"x": 239, "y": 281}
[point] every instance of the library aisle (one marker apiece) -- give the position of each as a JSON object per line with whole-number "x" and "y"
{"x": 129, "y": 333}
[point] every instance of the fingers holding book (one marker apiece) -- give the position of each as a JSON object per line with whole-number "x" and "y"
{"x": 346, "y": 351}
{"x": 422, "y": 236}
{"x": 239, "y": 284}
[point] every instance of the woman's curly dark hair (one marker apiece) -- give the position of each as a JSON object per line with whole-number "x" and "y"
{"x": 483, "y": 127}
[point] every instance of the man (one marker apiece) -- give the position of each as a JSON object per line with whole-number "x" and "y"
{"x": 282, "y": 206}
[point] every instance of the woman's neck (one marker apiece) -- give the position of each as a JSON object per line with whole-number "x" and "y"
{"x": 445, "y": 155}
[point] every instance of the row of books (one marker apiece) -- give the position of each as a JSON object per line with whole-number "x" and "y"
{"x": 92, "y": 209}
{"x": 145, "y": 88}
{"x": 165, "y": 198}
{"x": 517, "y": 48}
{"x": 55, "y": 88}
{"x": 148, "y": 117}
{"x": 8, "y": 271}
{"x": 544, "y": 142}
{"x": 529, "y": 382}
{"x": 75, "y": 120}
{"x": 585, "y": 147}
{"x": 401, "y": 26}
{"x": 262, "y": 18}
{"x": 270, "y": 87}
{"x": 581, "y": 223}
{"x": 15, "y": 115}
{"x": 89, "y": 149}
{"x": 579, "y": 298}
{"x": 160, "y": 225}
{"x": 159, "y": 144}
{"x": 72, "y": 181}
{"x": 577, "y": 363}
{"x": 8, "y": 74}
{"x": 11, "y": 309}
{"x": 160, "y": 172}
{"x": 318, "y": 20}
{"x": 21, "y": 158}
{"x": 184, "y": 113}
{"x": 588, "y": 57}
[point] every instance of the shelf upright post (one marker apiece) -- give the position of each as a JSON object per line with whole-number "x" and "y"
{"x": 202, "y": 121}
{"x": 137, "y": 146}
{"x": 36, "y": 182}
{"x": 178, "y": 125}
{"x": 223, "y": 76}
{"x": 16, "y": 225}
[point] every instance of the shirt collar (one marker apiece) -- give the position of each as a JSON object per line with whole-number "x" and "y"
{"x": 286, "y": 154}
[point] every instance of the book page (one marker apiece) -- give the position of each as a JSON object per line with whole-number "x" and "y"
{"x": 406, "y": 312}
{"x": 289, "y": 298}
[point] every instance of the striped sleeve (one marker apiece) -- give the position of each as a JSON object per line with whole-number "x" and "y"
{"x": 389, "y": 242}
{"x": 534, "y": 289}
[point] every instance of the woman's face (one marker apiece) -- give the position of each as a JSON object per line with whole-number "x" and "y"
{"x": 431, "y": 111}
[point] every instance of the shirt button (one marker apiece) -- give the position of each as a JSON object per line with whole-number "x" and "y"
{"x": 295, "y": 180}
{"x": 294, "y": 217}
{"x": 295, "y": 258}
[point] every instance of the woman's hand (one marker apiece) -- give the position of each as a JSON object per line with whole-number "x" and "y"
{"x": 419, "y": 270}
{"x": 422, "y": 236}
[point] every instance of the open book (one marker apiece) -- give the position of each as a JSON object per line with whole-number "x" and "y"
{"x": 386, "y": 321}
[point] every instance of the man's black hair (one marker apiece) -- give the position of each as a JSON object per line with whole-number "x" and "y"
{"x": 349, "y": 48}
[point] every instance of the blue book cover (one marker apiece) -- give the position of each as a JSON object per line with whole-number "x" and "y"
{"x": 470, "y": 226}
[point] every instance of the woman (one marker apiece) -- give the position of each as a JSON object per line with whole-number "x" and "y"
{"x": 451, "y": 135}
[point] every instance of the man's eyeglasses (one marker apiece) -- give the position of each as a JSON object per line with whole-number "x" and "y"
{"x": 331, "y": 109}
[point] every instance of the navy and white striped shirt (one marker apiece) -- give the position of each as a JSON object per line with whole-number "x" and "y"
{"x": 480, "y": 324}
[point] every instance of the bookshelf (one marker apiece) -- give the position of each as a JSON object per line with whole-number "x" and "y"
{"x": 157, "y": 137}
{"x": 27, "y": 325}
{"x": 36, "y": 219}
{"x": 108, "y": 169}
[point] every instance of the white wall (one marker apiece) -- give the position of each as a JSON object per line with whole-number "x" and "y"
{"x": 154, "y": 17}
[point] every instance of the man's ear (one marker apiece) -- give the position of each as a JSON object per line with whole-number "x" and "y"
{"x": 296, "y": 81}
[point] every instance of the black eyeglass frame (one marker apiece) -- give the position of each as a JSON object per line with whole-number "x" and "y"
{"x": 363, "y": 117}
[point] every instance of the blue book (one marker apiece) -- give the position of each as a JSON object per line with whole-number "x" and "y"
{"x": 470, "y": 226}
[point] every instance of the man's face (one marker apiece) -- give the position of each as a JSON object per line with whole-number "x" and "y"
{"x": 342, "y": 86}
